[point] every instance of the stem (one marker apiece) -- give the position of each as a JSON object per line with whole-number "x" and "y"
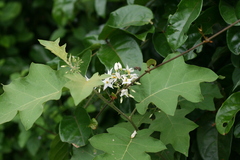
{"x": 116, "y": 109}
{"x": 223, "y": 30}
{"x": 100, "y": 112}
{"x": 135, "y": 109}
{"x": 89, "y": 100}
{"x": 48, "y": 131}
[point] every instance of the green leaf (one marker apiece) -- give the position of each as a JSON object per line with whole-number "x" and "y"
{"x": 58, "y": 150}
{"x": 118, "y": 144}
{"x": 165, "y": 84}
{"x": 63, "y": 11}
{"x": 58, "y": 33}
{"x": 85, "y": 153}
{"x": 137, "y": 119}
{"x": 23, "y": 136}
{"x": 140, "y": 32}
{"x": 226, "y": 114}
{"x": 233, "y": 38}
{"x": 229, "y": 11}
{"x": 80, "y": 87}
{"x": 174, "y": 129}
{"x": 10, "y": 11}
{"x": 161, "y": 44}
{"x": 75, "y": 129}
{"x": 33, "y": 144}
{"x": 236, "y": 78}
{"x": 235, "y": 60}
{"x": 86, "y": 58}
{"x": 7, "y": 41}
{"x": 123, "y": 49}
{"x": 131, "y": 15}
{"x": 151, "y": 62}
{"x": 212, "y": 145}
{"x": 237, "y": 131}
{"x": 26, "y": 95}
{"x": 209, "y": 92}
{"x": 100, "y": 7}
{"x": 180, "y": 22}
{"x": 54, "y": 47}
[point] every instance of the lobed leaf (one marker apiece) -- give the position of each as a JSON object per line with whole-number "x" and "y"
{"x": 85, "y": 153}
{"x": 174, "y": 129}
{"x": 54, "y": 47}
{"x": 165, "y": 84}
{"x": 75, "y": 129}
{"x": 118, "y": 144}
{"x": 226, "y": 114}
{"x": 209, "y": 92}
{"x": 180, "y": 22}
{"x": 26, "y": 95}
{"x": 80, "y": 87}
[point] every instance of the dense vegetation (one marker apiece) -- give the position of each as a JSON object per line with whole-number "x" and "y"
{"x": 120, "y": 79}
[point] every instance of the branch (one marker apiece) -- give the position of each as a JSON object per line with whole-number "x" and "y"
{"x": 116, "y": 109}
{"x": 194, "y": 47}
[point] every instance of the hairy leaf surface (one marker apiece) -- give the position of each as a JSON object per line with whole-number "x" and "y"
{"x": 80, "y": 87}
{"x": 165, "y": 84}
{"x": 118, "y": 144}
{"x": 26, "y": 95}
{"x": 180, "y": 22}
{"x": 174, "y": 129}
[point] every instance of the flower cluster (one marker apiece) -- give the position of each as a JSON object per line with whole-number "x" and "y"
{"x": 119, "y": 78}
{"x": 74, "y": 63}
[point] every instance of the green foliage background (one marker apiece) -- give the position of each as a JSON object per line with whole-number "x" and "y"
{"x": 207, "y": 126}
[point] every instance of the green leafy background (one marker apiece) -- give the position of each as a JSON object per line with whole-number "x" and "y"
{"x": 44, "y": 110}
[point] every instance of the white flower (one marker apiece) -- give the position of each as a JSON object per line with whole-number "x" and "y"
{"x": 110, "y": 72}
{"x": 129, "y": 70}
{"x": 115, "y": 76}
{"x": 126, "y": 80}
{"x": 124, "y": 92}
{"x": 133, "y": 76}
{"x": 117, "y": 66}
{"x": 107, "y": 83}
